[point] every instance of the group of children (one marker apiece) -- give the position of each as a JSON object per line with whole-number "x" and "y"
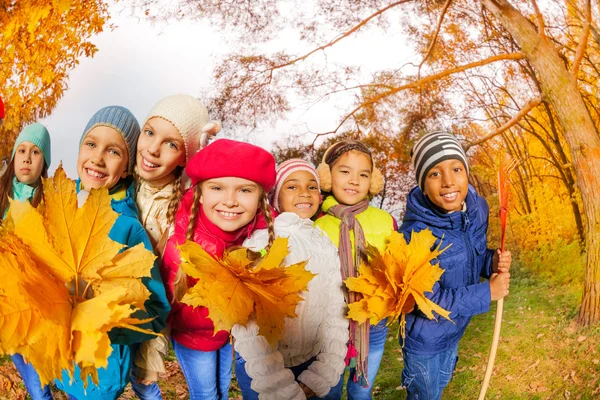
{"x": 169, "y": 185}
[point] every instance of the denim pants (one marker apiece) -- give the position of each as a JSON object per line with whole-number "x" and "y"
{"x": 143, "y": 392}
{"x": 244, "y": 381}
{"x": 426, "y": 376}
{"x": 31, "y": 379}
{"x": 377, "y": 338}
{"x": 207, "y": 373}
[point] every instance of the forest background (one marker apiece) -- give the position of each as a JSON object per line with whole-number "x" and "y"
{"x": 511, "y": 78}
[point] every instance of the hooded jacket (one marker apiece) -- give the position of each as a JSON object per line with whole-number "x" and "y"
{"x": 113, "y": 379}
{"x": 191, "y": 326}
{"x": 459, "y": 289}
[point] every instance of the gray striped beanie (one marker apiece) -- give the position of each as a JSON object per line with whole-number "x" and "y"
{"x": 123, "y": 121}
{"x": 432, "y": 149}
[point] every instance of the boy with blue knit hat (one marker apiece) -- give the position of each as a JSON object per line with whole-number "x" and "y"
{"x": 106, "y": 159}
{"x": 446, "y": 204}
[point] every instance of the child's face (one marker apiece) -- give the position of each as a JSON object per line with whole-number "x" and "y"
{"x": 351, "y": 177}
{"x": 300, "y": 194}
{"x": 103, "y": 158}
{"x": 28, "y": 163}
{"x": 160, "y": 149}
{"x": 447, "y": 184}
{"x": 230, "y": 203}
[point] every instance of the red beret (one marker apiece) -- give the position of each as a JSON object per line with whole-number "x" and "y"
{"x": 225, "y": 157}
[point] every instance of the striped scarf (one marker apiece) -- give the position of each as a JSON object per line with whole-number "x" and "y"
{"x": 358, "y": 345}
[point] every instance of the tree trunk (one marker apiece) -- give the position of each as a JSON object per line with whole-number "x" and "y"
{"x": 560, "y": 89}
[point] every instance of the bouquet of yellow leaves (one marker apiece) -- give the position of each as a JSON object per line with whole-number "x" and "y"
{"x": 396, "y": 281}
{"x": 235, "y": 286}
{"x": 44, "y": 251}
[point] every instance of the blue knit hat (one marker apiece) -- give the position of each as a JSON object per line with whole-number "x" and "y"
{"x": 38, "y": 135}
{"x": 123, "y": 121}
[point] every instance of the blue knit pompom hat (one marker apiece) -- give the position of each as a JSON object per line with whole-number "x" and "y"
{"x": 123, "y": 121}
{"x": 38, "y": 135}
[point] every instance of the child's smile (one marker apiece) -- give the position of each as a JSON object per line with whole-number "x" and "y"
{"x": 447, "y": 185}
{"x": 351, "y": 177}
{"x": 300, "y": 194}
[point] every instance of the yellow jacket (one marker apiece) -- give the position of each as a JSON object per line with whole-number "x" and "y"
{"x": 377, "y": 225}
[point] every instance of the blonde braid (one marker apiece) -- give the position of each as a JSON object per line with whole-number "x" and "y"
{"x": 266, "y": 210}
{"x": 175, "y": 198}
{"x": 180, "y": 284}
{"x": 193, "y": 212}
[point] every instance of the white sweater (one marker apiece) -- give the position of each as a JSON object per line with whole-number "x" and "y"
{"x": 320, "y": 329}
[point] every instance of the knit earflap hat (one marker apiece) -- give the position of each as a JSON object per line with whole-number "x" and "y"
{"x": 38, "y": 135}
{"x": 284, "y": 170}
{"x": 230, "y": 158}
{"x": 336, "y": 151}
{"x": 190, "y": 117}
{"x": 432, "y": 149}
{"x": 123, "y": 121}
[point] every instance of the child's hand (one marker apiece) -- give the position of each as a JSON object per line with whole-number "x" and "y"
{"x": 501, "y": 261}
{"x": 499, "y": 284}
{"x": 145, "y": 382}
{"x": 307, "y": 391}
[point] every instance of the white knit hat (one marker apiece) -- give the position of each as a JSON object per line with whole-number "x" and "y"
{"x": 284, "y": 170}
{"x": 190, "y": 117}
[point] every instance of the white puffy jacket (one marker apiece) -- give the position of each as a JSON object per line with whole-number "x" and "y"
{"x": 320, "y": 330}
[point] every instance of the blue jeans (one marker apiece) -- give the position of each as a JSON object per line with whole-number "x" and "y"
{"x": 144, "y": 392}
{"x": 207, "y": 373}
{"x": 426, "y": 376}
{"x": 377, "y": 339}
{"x": 31, "y": 379}
{"x": 244, "y": 381}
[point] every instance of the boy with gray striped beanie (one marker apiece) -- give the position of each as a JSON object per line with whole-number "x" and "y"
{"x": 456, "y": 215}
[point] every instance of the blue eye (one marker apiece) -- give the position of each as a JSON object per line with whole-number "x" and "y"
{"x": 114, "y": 152}
{"x": 172, "y": 146}
{"x": 148, "y": 132}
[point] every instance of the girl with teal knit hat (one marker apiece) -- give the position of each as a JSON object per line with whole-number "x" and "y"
{"x": 21, "y": 181}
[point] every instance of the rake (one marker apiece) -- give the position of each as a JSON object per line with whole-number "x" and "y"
{"x": 503, "y": 189}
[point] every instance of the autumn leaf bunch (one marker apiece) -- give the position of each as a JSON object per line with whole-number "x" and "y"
{"x": 65, "y": 284}
{"x": 236, "y": 286}
{"x": 394, "y": 282}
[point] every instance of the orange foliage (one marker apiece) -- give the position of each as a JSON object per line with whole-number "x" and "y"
{"x": 41, "y": 43}
{"x": 51, "y": 258}
{"x": 233, "y": 288}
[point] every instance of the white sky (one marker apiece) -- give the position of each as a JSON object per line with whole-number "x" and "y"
{"x": 137, "y": 64}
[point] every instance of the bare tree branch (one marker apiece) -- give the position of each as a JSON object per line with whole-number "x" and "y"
{"x": 421, "y": 82}
{"x": 435, "y": 35}
{"x": 341, "y": 36}
{"x": 584, "y": 37}
{"x": 540, "y": 18}
{"x": 530, "y": 105}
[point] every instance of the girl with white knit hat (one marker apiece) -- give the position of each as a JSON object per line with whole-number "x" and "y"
{"x": 175, "y": 129}
{"x": 308, "y": 360}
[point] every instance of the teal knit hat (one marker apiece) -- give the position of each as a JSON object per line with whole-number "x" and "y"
{"x": 38, "y": 135}
{"x": 122, "y": 120}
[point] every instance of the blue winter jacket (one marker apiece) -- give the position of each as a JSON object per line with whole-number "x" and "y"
{"x": 112, "y": 380}
{"x": 459, "y": 289}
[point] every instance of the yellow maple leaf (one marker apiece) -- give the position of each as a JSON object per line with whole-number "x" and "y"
{"x": 397, "y": 280}
{"x": 46, "y": 251}
{"x": 235, "y": 286}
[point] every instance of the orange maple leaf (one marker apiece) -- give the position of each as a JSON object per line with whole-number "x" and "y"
{"x": 234, "y": 287}
{"x": 44, "y": 251}
{"x": 395, "y": 281}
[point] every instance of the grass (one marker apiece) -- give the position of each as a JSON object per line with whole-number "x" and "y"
{"x": 542, "y": 353}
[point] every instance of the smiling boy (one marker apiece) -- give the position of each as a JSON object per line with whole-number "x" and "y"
{"x": 446, "y": 204}
{"x": 106, "y": 160}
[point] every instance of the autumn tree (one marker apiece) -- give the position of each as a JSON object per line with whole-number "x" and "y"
{"x": 41, "y": 43}
{"x": 456, "y": 40}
